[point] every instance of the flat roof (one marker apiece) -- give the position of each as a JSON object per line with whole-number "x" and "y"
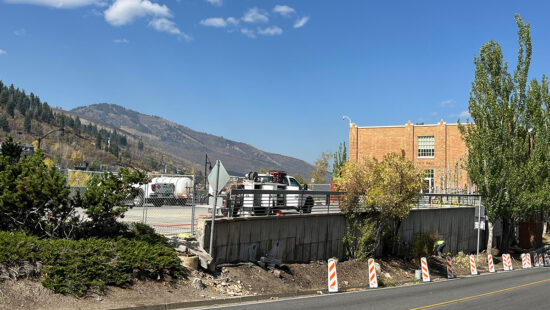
{"x": 402, "y": 126}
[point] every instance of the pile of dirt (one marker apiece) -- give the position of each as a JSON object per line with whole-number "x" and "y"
{"x": 232, "y": 280}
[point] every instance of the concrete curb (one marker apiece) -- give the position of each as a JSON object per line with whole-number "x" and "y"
{"x": 224, "y": 301}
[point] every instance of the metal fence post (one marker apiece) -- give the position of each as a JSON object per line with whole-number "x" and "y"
{"x": 193, "y": 219}
{"x": 144, "y": 206}
{"x": 478, "y": 225}
{"x": 214, "y": 209}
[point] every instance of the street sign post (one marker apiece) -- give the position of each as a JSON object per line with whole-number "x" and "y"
{"x": 219, "y": 178}
{"x": 477, "y": 217}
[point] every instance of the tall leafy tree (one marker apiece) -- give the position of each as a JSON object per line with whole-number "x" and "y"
{"x": 380, "y": 194}
{"x": 340, "y": 158}
{"x": 508, "y": 141}
{"x": 320, "y": 169}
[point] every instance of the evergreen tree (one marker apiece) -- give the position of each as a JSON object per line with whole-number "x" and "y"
{"x": 11, "y": 150}
{"x": 10, "y": 107}
{"x": 27, "y": 123}
{"x": 4, "y": 97}
{"x": 4, "y": 124}
{"x": 98, "y": 142}
{"x": 140, "y": 145}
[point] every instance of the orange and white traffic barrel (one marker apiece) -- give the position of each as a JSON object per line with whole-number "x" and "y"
{"x": 546, "y": 260}
{"x": 536, "y": 260}
{"x": 526, "y": 260}
{"x": 373, "y": 281}
{"x": 541, "y": 260}
{"x": 332, "y": 277}
{"x": 507, "y": 262}
{"x": 490, "y": 263}
{"x": 425, "y": 270}
{"x": 450, "y": 271}
{"x": 473, "y": 268}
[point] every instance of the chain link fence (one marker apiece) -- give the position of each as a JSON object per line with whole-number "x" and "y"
{"x": 166, "y": 203}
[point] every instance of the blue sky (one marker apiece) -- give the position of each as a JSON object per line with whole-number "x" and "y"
{"x": 278, "y": 75}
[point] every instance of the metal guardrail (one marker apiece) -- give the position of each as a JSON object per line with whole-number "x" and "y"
{"x": 441, "y": 200}
{"x": 256, "y": 202}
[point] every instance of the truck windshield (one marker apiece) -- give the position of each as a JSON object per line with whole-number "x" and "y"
{"x": 293, "y": 182}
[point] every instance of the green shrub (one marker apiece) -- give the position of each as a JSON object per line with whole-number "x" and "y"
{"x": 423, "y": 245}
{"x": 89, "y": 265}
{"x": 33, "y": 197}
{"x": 360, "y": 240}
{"x": 105, "y": 196}
{"x": 386, "y": 282}
{"x": 143, "y": 232}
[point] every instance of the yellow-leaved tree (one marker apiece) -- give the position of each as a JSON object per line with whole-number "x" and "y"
{"x": 379, "y": 197}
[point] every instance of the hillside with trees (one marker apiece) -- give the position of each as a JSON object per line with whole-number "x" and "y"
{"x": 70, "y": 141}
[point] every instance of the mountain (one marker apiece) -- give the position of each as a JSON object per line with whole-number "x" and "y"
{"x": 190, "y": 145}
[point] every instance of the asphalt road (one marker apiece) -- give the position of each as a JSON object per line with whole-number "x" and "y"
{"x": 521, "y": 289}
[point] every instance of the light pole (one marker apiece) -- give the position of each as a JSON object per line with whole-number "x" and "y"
{"x": 44, "y": 136}
{"x": 344, "y": 117}
{"x": 356, "y": 138}
{"x": 206, "y": 162}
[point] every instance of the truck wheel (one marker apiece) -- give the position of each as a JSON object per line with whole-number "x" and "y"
{"x": 158, "y": 202}
{"x": 308, "y": 205}
{"x": 139, "y": 199}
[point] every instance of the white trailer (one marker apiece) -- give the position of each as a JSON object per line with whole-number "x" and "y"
{"x": 166, "y": 190}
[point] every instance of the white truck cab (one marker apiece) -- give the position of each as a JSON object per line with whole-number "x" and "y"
{"x": 261, "y": 204}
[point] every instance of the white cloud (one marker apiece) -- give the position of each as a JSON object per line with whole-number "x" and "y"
{"x": 2, "y": 52}
{"x": 186, "y": 37}
{"x": 300, "y": 22}
{"x": 215, "y": 2}
{"x": 20, "y": 32}
{"x": 271, "y": 31}
{"x": 121, "y": 41}
{"x": 123, "y": 12}
{"x": 284, "y": 10}
{"x": 232, "y": 21}
{"x": 255, "y": 15}
{"x": 60, "y": 4}
{"x": 248, "y": 32}
{"x": 219, "y": 22}
{"x": 165, "y": 25}
{"x": 447, "y": 103}
{"x": 214, "y": 22}
{"x": 464, "y": 114}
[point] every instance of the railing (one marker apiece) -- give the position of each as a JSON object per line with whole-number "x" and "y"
{"x": 437, "y": 200}
{"x": 256, "y": 202}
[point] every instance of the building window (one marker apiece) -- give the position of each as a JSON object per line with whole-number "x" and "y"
{"x": 426, "y": 147}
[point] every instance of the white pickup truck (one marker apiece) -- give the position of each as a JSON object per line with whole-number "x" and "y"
{"x": 264, "y": 203}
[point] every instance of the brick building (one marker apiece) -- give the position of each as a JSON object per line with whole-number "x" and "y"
{"x": 438, "y": 149}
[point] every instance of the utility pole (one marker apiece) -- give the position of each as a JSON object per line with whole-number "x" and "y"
{"x": 206, "y": 162}
{"x": 44, "y": 136}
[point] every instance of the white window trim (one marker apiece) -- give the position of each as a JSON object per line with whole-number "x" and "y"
{"x": 418, "y": 149}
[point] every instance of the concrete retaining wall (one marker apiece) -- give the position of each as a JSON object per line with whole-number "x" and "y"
{"x": 454, "y": 225}
{"x": 305, "y": 238}
{"x": 302, "y": 238}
